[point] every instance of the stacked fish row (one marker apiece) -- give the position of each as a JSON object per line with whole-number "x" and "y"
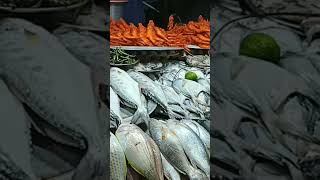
{"x": 173, "y": 141}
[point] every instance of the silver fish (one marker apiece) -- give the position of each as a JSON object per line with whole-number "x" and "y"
{"x": 153, "y": 91}
{"x": 172, "y": 149}
{"x": 141, "y": 151}
{"x": 169, "y": 171}
{"x": 174, "y": 99}
{"x": 118, "y": 164}
{"x": 15, "y": 150}
{"x": 115, "y": 107}
{"x": 192, "y": 145}
{"x": 200, "y": 131}
{"x": 205, "y": 83}
{"x": 55, "y": 85}
{"x": 128, "y": 89}
{"x": 193, "y": 90}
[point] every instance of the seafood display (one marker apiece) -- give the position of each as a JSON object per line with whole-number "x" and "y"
{"x": 160, "y": 106}
{"x": 192, "y": 33}
{"x": 162, "y": 121}
{"x": 266, "y": 112}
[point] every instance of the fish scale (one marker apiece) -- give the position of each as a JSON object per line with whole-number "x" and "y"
{"x": 118, "y": 165}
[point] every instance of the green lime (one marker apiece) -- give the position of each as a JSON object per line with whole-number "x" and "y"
{"x": 261, "y": 46}
{"x": 191, "y": 76}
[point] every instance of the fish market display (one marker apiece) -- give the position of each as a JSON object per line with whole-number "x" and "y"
{"x": 163, "y": 123}
{"x": 195, "y": 33}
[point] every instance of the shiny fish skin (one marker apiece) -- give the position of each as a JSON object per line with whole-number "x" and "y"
{"x": 118, "y": 166}
{"x": 169, "y": 171}
{"x": 141, "y": 151}
{"x": 152, "y": 90}
{"x": 193, "y": 90}
{"x": 172, "y": 149}
{"x": 200, "y": 131}
{"x": 128, "y": 90}
{"x": 192, "y": 145}
{"x": 115, "y": 107}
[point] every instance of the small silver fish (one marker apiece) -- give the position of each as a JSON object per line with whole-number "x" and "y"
{"x": 118, "y": 164}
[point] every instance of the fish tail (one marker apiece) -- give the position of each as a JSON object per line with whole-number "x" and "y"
{"x": 141, "y": 113}
{"x": 196, "y": 174}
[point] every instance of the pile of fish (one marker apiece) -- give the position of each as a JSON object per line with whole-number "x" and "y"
{"x": 266, "y": 115}
{"x": 161, "y": 123}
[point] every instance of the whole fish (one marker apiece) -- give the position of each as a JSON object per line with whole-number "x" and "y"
{"x": 55, "y": 85}
{"x": 200, "y": 131}
{"x": 193, "y": 90}
{"x": 174, "y": 99}
{"x": 141, "y": 151}
{"x": 115, "y": 107}
{"x": 118, "y": 164}
{"x": 153, "y": 91}
{"x": 15, "y": 138}
{"x": 172, "y": 149}
{"x": 169, "y": 171}
{"x": 128, "y": 89}
{"x": 192, "y": 145}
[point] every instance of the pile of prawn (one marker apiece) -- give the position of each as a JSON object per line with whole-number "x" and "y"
{"x": 193, "y": 33}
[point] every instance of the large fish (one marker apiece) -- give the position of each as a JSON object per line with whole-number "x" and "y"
{"x": 172, "y": 149}
{"x": 141, "y": 151}
{"x": 192, "y": 145}
{"x": 118, "y": 164}
{"x": 15, "y": 150}
{"x": 200, "y": 131}
{"x": 128, "y": 90}
{"x": 152, "y": 90}
{"x": 55, "y": 85}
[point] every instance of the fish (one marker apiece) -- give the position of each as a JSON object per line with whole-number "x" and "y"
{"x": 200, "y": 131}
{"x": 193, "y": 90}
{"x": 151, "y": 90}
{"x": 115, "y": 107}
{"x": 172, "y": 149}
{"x": 174, "y": 100}
{"x": 118, "y": 164}
{"x": 15, "y": 138}
{"x": 192, "y": 145}
{"x": 141, "y": 151}
{"x": 54, "y": 84}
{"x": 128, "y": 90}
{"x": 169, "y": 171}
